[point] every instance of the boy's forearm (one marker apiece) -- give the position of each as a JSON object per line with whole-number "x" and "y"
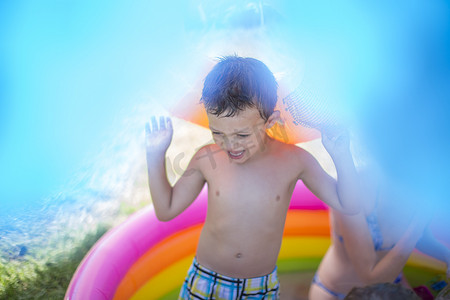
{"x": 348, "y": 186}
{"x": 160, "y": 188}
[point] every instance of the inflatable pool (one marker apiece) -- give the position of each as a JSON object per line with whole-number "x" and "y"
{"x": 144, "y": 258}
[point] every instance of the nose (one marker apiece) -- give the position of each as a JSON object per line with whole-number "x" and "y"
{"x": 232, "y": 144}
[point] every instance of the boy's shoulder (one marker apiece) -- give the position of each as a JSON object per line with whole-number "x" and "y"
{"x": 290, "y": 151}
{"x": 206, "y": 154}
{"x": 299, "y": 157}
{"x": 292, "y": 159}
{"x": 207, "y": 150}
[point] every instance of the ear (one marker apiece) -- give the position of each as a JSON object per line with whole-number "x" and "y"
{"x": 275, "y": 117}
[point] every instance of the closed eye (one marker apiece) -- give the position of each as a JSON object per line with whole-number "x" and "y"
{"x": 243, "y": 135}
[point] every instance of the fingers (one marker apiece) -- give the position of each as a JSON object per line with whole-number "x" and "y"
{"x": 164, "y": 123}
{"x": 333, "y": 132}
{"x": 169, "y": 123}
{"x": 328, "y": 132}
{"x": 154, "y": 124}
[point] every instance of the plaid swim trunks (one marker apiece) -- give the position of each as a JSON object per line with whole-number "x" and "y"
{"x": 202, "y": 283}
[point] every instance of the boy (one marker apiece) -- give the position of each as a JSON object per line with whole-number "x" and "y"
{"x": 250, "y": 179}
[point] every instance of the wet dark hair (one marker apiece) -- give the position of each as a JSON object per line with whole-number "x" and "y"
{"x": 237, "y": 83}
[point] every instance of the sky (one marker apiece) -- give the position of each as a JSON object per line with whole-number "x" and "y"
{"x": 71, "y": 70}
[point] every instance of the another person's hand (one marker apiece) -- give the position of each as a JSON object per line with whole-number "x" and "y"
{"x": 158, "y": 138}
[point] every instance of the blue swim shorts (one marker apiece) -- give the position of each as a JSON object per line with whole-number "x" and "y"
{"x": 202, "y": 283}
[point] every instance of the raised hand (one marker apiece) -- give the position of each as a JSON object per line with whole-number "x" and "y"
{"x": 158, "y": 137}
{"x": 335, "y": 140}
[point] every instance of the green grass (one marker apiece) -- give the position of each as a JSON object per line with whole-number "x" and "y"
{"x": 40, "y": 276}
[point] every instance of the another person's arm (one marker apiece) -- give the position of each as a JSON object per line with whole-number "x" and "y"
{"x": 169, "y": 201}
{"x": 360, "y": 249}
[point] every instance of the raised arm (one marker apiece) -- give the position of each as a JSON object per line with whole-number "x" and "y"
{"x": 168, "y": 201}
{"x": 343, "y": 194}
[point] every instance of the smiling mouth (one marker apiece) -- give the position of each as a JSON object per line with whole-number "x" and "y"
{"x": 235, "y": 154}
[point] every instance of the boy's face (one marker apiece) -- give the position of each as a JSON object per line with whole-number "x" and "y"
{"x": 241, "y": 136}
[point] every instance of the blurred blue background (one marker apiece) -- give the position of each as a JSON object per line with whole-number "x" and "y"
{"x": 70, "y": 71}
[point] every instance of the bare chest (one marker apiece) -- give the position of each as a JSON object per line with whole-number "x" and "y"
{"x": 260, "y": 190}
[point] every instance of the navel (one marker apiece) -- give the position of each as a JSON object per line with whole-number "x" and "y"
{"x": 238, "y": 255}
{"x": 217, "y": 193}
{"x": 278, "y": 198}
